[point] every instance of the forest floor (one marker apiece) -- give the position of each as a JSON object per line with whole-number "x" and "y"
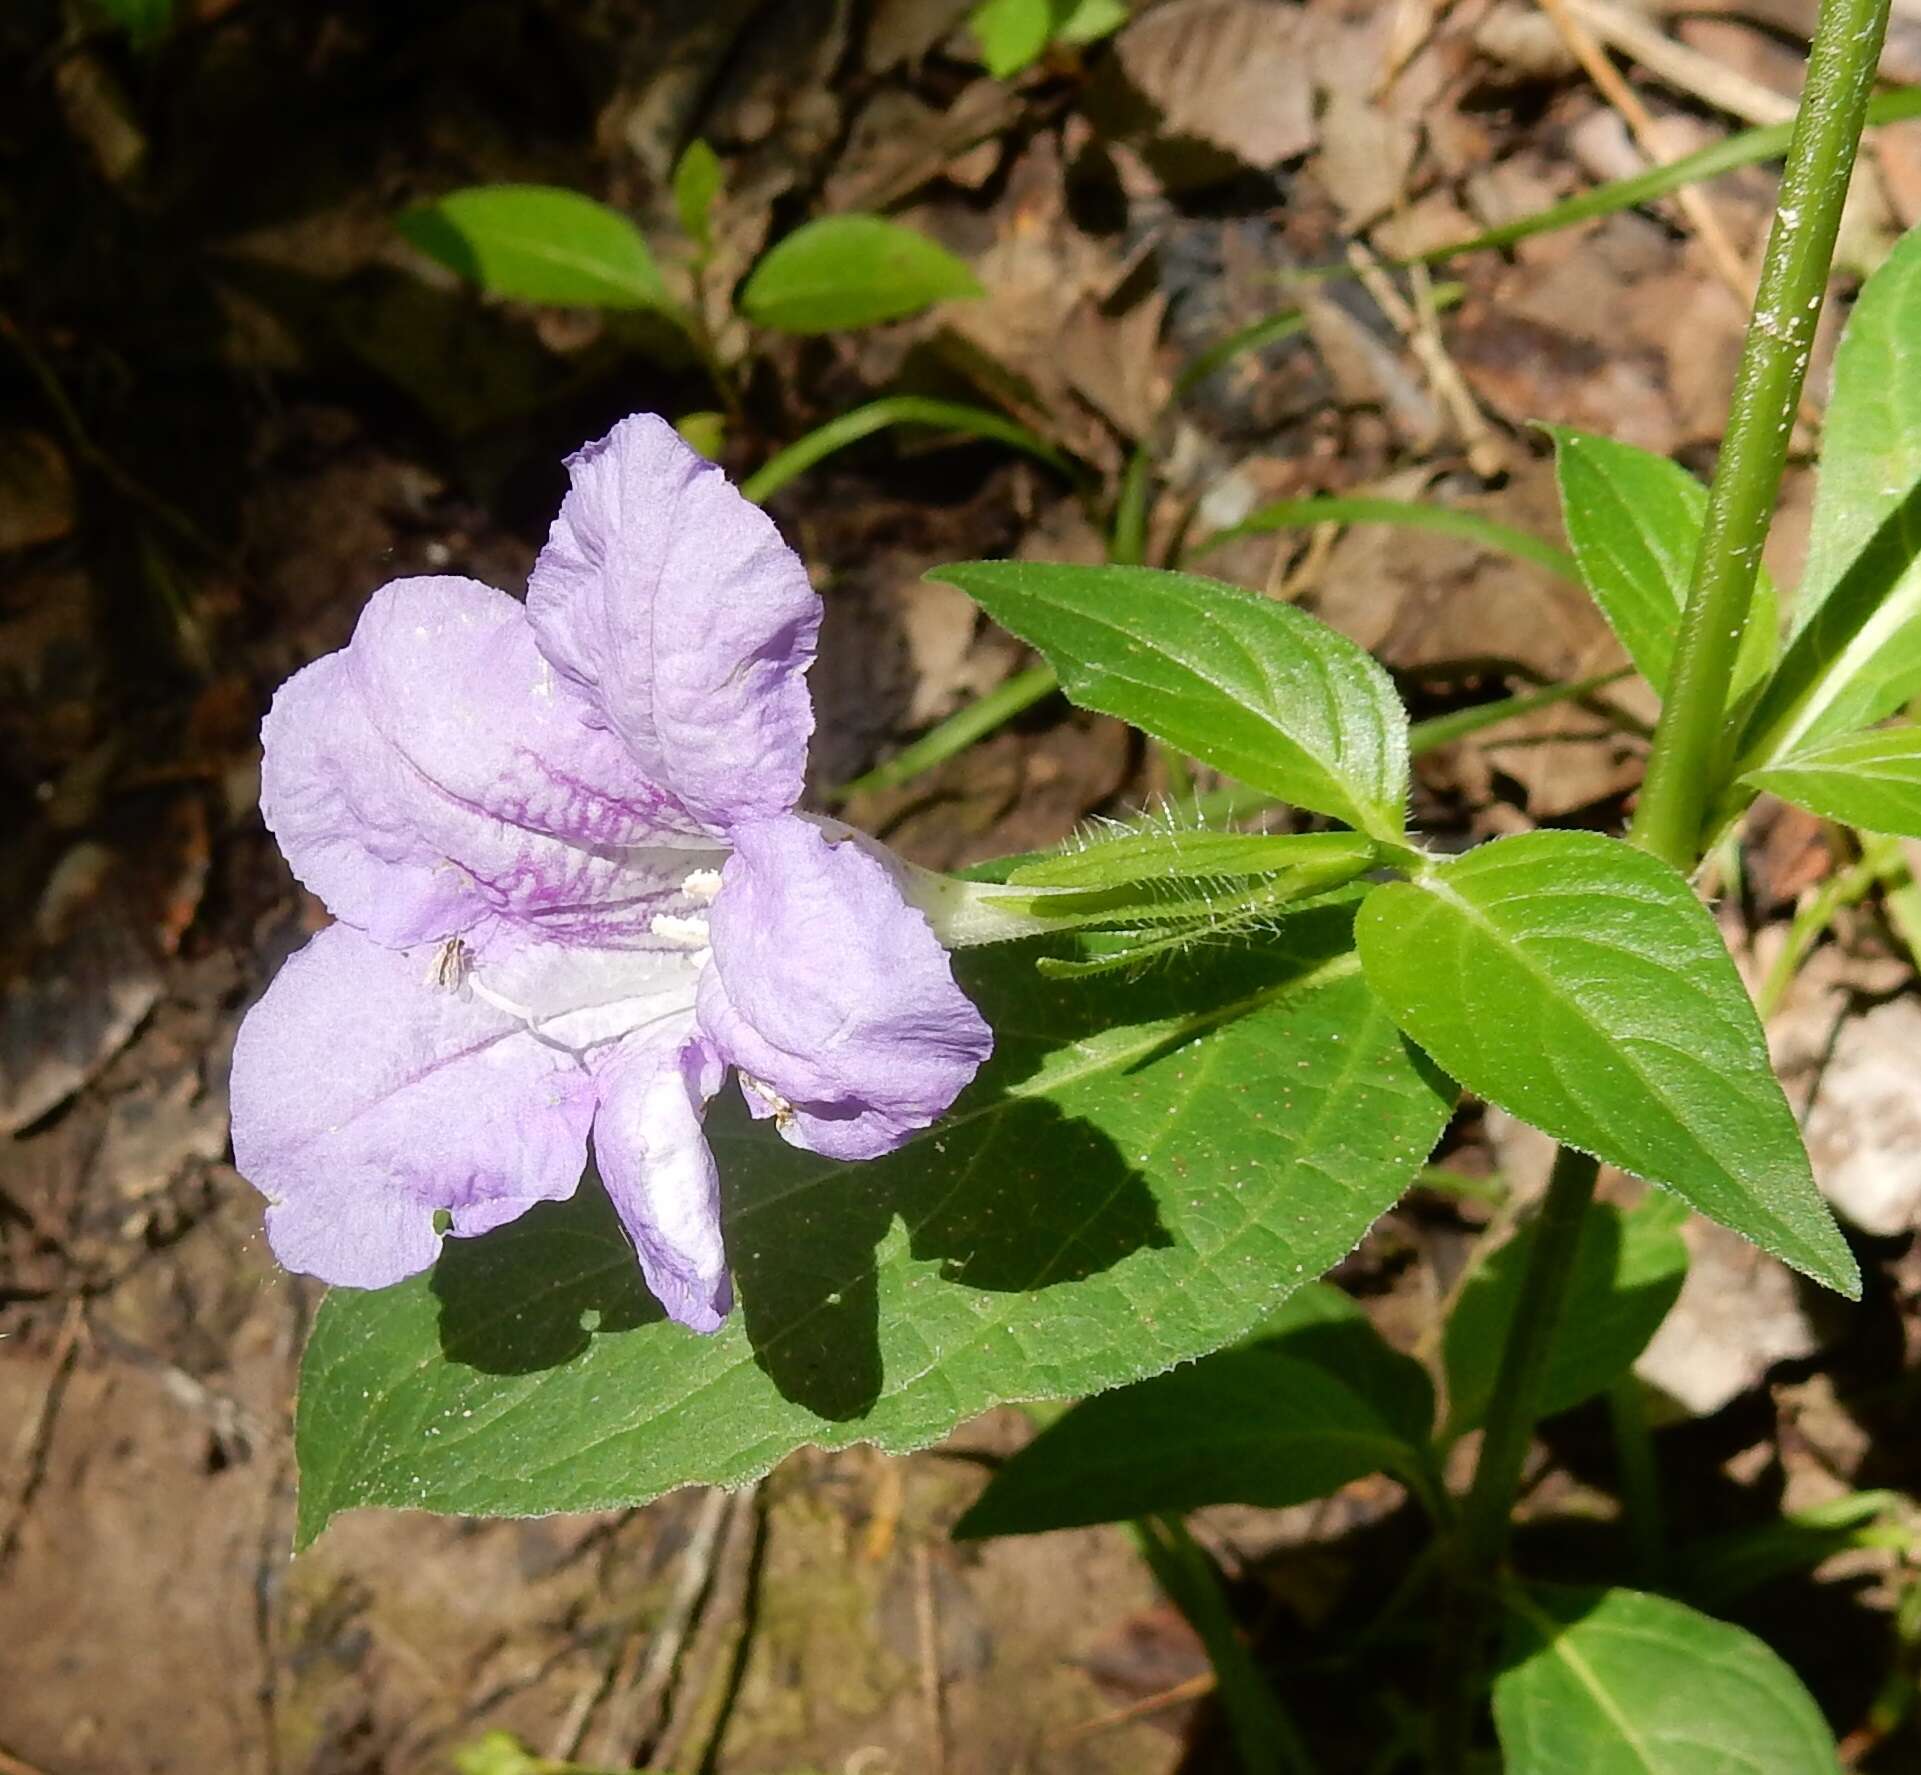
{"x": 237, "y": 403}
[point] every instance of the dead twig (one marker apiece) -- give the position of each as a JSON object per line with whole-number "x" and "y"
{"x": 1192, "y": 1690}
{"x": 1614, "y": 88}
{"x": 1686, "y": 70}
{"x": 719, "y": 1645}
{"x": 1420, "y": 326}
{"x": 636, "y": 1689}
{"x": 36, "y": 1432}
{"x": 927, "y": 1632}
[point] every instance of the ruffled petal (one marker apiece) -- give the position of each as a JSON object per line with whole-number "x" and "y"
{"x": 659, "y": 1171}
{"x": 365, "y": 1098}
{"x": 438, "y": 771}
{"x": 832, "y": 995}
{"x": 690, "y": 625}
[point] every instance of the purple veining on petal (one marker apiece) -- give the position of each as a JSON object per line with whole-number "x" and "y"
{"x": 686, "y": 620}
{"x": 437, "y": 769}
{"x": 833, "y": 993}
{"x": 586, "y": 798}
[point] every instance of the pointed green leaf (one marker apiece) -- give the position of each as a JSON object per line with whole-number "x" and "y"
{"x": 1870, "y": 444}
{"x": 1634, "y": 522}
{"x": 697, "y": 181}
{"x": 1615, "y": 1682}
{"x": 1011, "y": 33}
{"x": 1139, "y": 1176}
{"x": 1628, "y": 1271}
{"x": 538, "y": 243}
{"x": 1871, "y": 780}
{"x": 1294, "y": 1416}
{"x": 1579, "y": 984}
{"x": 1855, "y": 652}
{"x": 1255, "y": 688}
{"x": 851, "y": 271}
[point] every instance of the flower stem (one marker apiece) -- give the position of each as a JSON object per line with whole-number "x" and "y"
{"x": 1689, "y": 745}
{"x": 1524, "y": 1360}
{"x": 1690, "y": 741}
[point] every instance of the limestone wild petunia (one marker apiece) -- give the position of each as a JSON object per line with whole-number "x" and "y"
{"x": 569, "y": 890}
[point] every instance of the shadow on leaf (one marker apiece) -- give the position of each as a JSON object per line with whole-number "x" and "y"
{"x": 1010, "y": 1202}
{"x": 490, "y": 1319}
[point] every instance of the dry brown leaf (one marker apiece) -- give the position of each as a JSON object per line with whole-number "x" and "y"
{"x": 1367, "y": 151}
{"x": 1235, "y": 74}
{"x": 1112, "y": 362}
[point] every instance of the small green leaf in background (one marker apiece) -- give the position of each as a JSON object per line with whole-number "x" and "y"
{"x": 144, "y": 21}
{"x": 1616, "y": 1682}
{"x": 538, "y": 243}
{"x": 697, "y": 182}
{"x": 1139, "y": 1176}
{"x": 1012, "y": 34}
{"x": 1317, "y": 1401}
{"x": 1854, "y": 654}
{"x": 1628, "y": 1271}
{"x": 1578, "y": 983}
{"x": 1088, "y": 21}
{"x": 1634, "y": 521}
{"x": 851, "y": 271}
{"x": 1256, "y": 688}
{"x": 1722, "y": 1568}
{"x": 1871, "y": 780}
{"x": 704, "y": 431}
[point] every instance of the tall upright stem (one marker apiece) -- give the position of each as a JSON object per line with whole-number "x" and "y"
{"x": 1689, "y": 743}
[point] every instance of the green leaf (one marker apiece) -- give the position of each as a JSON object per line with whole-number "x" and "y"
{"x": 1137, "y": 1178}
{"x": 1088, "y": 21}
{"x": 1614, "y": 1682}
{"x": 851, "y": 271}
{"x": 1628, "y": 1271}
{"x": 1579, "y": 984}
{"x": 1634, "y": 522}
{"x": 538, "y": 243}
{"x": 1870, "y": 443}
{"x": 1294, "y": 1416}
{"x": 1855, "y": 652}
{"x": 1255, "y": 688}
{"x": 1011, "y": 33}
{"x": 697, "y": 181}
{"x": 1871, "y": 780}
{"x": 1721, "y": 1568}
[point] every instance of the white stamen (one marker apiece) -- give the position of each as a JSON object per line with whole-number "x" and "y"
{"x": 702, "y": 885}
{"x": 683, "y": 933}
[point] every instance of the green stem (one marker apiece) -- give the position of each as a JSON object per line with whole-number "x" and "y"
{"x": 1638, "y": 1475}
{"x": 1517, "y": 1388}
{"x": 1846, "y": 887}
{"x": 1690, "y": 743}
{"x": 896, "y": 409}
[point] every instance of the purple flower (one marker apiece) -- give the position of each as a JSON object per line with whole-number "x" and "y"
{"x": 570, "y": 891}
